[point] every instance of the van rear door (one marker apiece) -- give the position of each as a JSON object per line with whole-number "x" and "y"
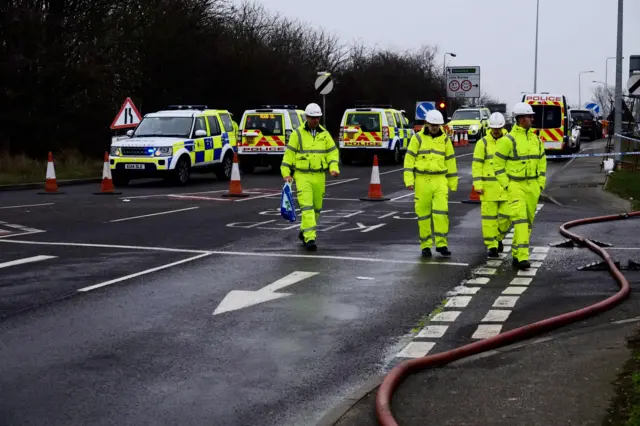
{"x": 362, "y": 128}
{"x": 264, "y": 130}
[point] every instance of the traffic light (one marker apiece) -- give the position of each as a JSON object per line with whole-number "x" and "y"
{"x": 442, "y": 107}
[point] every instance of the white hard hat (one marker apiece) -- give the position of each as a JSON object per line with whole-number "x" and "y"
{"x": 434, "y": 117}
{"x": 522, "y": 108}
{"x": 496, "y": 121}
{"x": 313, "y": 110}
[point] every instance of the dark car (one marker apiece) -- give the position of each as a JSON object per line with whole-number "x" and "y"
{"x": 587, "y": 121}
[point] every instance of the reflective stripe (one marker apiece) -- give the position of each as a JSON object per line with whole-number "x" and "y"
{"x": 431, "y": 151}
{"x": 452, "y": 175}
{"x": 299, "y": 139}
{"x": 333, "y": 161}
{"x": 439, "y": 212}
{"x": 424, "y": 172}
{"x": 316, "y": 151}
{"x": 489, "y": 178}
{"x": 513, "y": 142}
{"x": 285, "y": 164}
{"x": 490, "y": 217}
{"x": 522, "y": 178}
{"x": 425, "y": 240}
{"x": 450, "y": 157}
{"x": 519, "y": 221}
{"x": 489, "y": 239}
{"x": 406, "y": 169}
{"x": 504, "y": 216}
{"x": 317, "y": 210}
{"x": 501, "y": 171}
{"x": 543, "y": 174}
{"x": 306, "y": 208}
{"x": 517, "y": 246}
{"x": 313, "y": 228}
{"x": 411, "y": 153}
{"x": 488, "y": 157}
{"x": 504, "y": 157}
{"x": 419, "y": 139}
{"x": 424, "y": 217}
{"x": 439, "y": 234}
{"x": 310, "y": 170}
{"x": 477, "y": 160}
{"x": 292, "y": 148}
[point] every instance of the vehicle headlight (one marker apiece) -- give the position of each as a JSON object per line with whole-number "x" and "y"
{"x": 474, "y": 127}
{"x": 163, "y": 151}
{"x": 115, "y": 151}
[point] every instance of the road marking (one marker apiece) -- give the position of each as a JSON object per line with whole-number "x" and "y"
{"x": 433, "y": 331}
{"x": 521, "y": 281}
{"x": 26, "y": 205}
{"x": 446, "y": 316}
{"x": 109, "y": 246}
{"x": 458, "y": 302}
{"x": 538, "y": 256}
{"x": 19, "y": 234}
{"x": 485, "y": 331}
{"x": 153, "y": 214}
{"x": 391, "y": 171}
{"x": 541, "y": 249}
{"x": 514, "y": 290}
{"x": 528, "y": 273}
{"x": 198, "y": 197}
{"x": 485, "y": 271}
{"x": 496, "y": 315}
{"x": 164, "y": 195}
{"x": 461, "y": 289}
{"x": 145, "y": 272}
{"x": 478, "y": 280}
{"x": 623, "y": 248}
{"x": 505, "y": 301}
{"x": 416, "y": 350}
{"x": 494, "y": 263}
{"x": 26, "y": 260}
{"x": 340, "y": 182}
{"x": 402, "y": 196}
{"x": 365, "y": 278}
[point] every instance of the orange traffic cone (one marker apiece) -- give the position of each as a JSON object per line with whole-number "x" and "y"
{"x": 474, "y": 197}
{"x": 50, "y": 183}
{"x": 465, "y": 139}
{"x": 106, "y": 187}
{"x": 455, "y": 140}
{"x": 235, "y": 187}
{"x": 375, "y": 188}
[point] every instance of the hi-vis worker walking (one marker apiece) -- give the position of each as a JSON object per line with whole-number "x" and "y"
{"x": 521, "y": 167}
{"x": 310, "y": 152}
{"x": 430, "y": 165}
{"x": 495, "y": 214}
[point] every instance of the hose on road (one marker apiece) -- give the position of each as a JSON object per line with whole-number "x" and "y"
{"x": 397, "y": 374}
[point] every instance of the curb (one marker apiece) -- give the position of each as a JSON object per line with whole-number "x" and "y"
{"x": 39, "y": 185}
{"x": 550, "y": 199}
{"x": 338, "y": 412}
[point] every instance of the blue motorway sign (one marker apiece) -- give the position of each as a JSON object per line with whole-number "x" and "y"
{"x": 593, "y": 107}
{"x": 422, "y": 108}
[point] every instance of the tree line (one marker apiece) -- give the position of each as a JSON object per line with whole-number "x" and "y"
{"x": 68, "y": 65}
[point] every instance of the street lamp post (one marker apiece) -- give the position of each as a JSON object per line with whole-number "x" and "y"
{"x": 580, "y": 87}
{"x": 535, "y": 67}
{"x": 444, "y": 75}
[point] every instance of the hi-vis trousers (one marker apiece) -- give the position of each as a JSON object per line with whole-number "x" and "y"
{"x": 310, "y": 192}
{"x": 523, "y": 199}
{"x": 432, "y": 202}
{"x": 496, "y": 221}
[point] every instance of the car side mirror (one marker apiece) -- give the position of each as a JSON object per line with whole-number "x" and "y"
{"x": 201, "y": 133}
{"x": 129, "y": 133}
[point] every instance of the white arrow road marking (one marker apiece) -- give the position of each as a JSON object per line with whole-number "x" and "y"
{"x": 238, "y": 299}
{"x": 25, "y": 260}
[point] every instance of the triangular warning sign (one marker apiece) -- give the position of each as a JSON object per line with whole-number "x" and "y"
{"x": 127, "y": 117}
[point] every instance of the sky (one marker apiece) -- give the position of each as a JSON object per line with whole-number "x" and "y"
{"x": 496, "y": 35}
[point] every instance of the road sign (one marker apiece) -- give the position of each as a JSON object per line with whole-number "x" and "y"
{"x": 127, "y": 117}
{"x": 422, "y": 108}
{"x": 633, "y": 85}
{"x": 324, "y": 84}
{"x": 463, "y": 82}
{"x": 593, "y": 107}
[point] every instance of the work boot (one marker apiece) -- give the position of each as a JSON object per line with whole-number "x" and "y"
{"x": 515, "y": 261}
{"x": 301, "y": 236}
{"x": 444, "y": 251}
{"x": 311, "y": 245}
{"x": 493, "y": 252}
{"x": 500, "y": 247}
{"x": 426, "y": 252}
{"x": 524, "y": 264}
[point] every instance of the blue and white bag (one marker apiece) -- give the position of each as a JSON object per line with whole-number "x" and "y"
{"x": 287, "y": 207}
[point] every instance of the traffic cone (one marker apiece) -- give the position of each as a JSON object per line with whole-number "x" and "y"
{"x": 50, "y": 183}
{"x": 106, "y": 187}
{"x": 466, "y": 139}
{"x": 474, "y": 197}
{"x": 375, "y": 188}
{"x": 235, "y": 187}
{"x": 455, "y": 140}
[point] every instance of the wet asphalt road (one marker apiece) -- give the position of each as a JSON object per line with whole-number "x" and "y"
{"x": 110, "y": 319}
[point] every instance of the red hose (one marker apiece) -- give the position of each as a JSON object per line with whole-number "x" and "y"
{"x": 397, "y": 374}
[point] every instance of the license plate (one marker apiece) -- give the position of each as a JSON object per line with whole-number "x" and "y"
{"x": 134, "y": 166}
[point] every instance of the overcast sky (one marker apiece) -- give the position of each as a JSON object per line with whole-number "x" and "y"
{"x": 497, "y": 35}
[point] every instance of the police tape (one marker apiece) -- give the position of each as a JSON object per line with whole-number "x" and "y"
{"x": 626, "y": 137}
{"x": 597, "y": 154}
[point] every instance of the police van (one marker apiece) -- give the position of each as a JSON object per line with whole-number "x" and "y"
{"x": 553, "y": 123}
{"x": 264, "y": 134}
{"x": 175, "y": 142}
{"x": 374, "y": 129}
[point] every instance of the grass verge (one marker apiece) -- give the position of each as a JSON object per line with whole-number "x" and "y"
{"x": 625, "y": 409}
{"x": 625, "y": 184}
{"x": 68, "y": 165}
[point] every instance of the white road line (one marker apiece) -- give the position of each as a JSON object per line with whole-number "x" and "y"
{"x": 19, "y": 234}
{"x": 485, "y": 331}
{"x": 26, "y": 260}
{"x": 458, "y": 302}
{"x": 340, "y": 182}
{"x": 391, "y": 171}
{"x": 521, "y": 281}
{"x": 505, "y": 301}
{"x": 108, "y": 246}
{"x": 485, "y": 271}
{"x": 461, "y": 289}
{"x": 26, "y": 205}
{"x": 254, "y": 198}
{"x": 496, "y": 315}
{"x": 623, "y": 248}
{"x": 494, "y": 263}
{"x": 536, "y": 264}
{"x": 148, "y": 271}
{"x": 539, "y": 256}
{"x": 446, "y": 316}
{"x": 402, "y": 196}
{"x": 541, "y": 249}
{"x": 153, "y": 214}
{"x": 433, "y": 331}
{"x": 164, "y": 195}
{"x": 507, "y": 241}
{"x": 528, "y": 273}
{"x": 197, "y": 197}
{"x": 514, "y": 290}
{"x": 416, "y": 350}
{"x": 478, "y": 281}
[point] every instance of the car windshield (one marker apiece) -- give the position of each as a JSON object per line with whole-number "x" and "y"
{"x": 466, "y": 115}
{"x": 268, "y": 124}
{"x": 581, "y": 115}
{"x": 547, "y": 117}
{"x": 174, "y": 127}
{"x": 368, "y": 121}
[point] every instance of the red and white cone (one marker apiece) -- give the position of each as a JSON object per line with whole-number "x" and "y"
{"x": 106, "y": 187}
{"x": 375, "y": 188}
{"x": 455, "y": 140}
{"x": 235, "y": 187}
{"x": 50, "y": 183}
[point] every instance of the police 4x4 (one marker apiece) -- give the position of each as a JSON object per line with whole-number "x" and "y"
{"x": 175, "y": 142}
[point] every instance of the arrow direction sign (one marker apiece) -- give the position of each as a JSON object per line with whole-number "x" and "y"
{"x": 238, "y": 299}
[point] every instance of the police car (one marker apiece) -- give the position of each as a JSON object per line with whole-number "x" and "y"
{"x": 175, "y": 142}
{"x": 264, "y": 134}
{"x": 377, "y": 129}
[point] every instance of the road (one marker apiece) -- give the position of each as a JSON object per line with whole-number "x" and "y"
{"x": 107, "y": 302}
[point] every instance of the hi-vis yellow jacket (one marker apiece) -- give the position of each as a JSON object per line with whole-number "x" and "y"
{"x": 520, "y": 157}
{"x": 309, "y": 151}
{"x": 427, "y": 155}
{"x": 482, "y": 169}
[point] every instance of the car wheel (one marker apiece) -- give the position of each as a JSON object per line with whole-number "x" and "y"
{"x": 182, "y": 172}
{"x": 346, "y": 159}
{"x": 397, "y": 156}
{"x": 226, "y": 167}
